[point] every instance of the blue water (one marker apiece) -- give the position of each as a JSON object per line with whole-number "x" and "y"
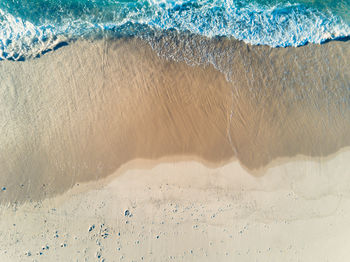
{"x": 30, "y": 27}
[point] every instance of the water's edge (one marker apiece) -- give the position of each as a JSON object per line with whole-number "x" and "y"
{"x": 30, "y": 30}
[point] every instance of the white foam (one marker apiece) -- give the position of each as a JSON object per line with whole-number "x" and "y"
{"x": 278, "y": 26}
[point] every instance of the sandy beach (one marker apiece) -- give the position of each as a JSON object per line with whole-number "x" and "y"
{"x": 118, "y": 152}
{"x": 184, "y": 211}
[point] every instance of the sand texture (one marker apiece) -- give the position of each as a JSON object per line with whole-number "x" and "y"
{"x": 95, "y": 106}
{"x": 224, "y": 152}
{"x": 184, "y": 211}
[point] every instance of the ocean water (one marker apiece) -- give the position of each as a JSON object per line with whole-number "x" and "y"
{"x": 29, "y": 28}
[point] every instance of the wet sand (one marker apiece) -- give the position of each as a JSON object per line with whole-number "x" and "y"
{"x": 241, "y": 156}
{"x": 80, "y": 112}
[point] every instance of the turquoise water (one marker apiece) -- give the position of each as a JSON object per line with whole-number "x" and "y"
{"x": 29, "y": 27}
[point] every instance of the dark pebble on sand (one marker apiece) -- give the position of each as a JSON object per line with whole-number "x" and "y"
{"x": 91, "y": 228}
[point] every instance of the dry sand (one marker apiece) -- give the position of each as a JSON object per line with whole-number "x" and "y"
{"x": 184, "y": 211}
{"x": 244, "y": 159}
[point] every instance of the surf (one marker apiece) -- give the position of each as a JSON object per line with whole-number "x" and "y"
{"x": 30, "y": 28}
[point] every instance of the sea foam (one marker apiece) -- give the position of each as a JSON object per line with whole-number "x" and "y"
{"x": 280, "y": 25}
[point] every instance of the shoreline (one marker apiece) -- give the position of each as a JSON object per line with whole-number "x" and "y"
{"x": 149, "y": 164}
{"x": 98, "y": 105}
{"x": 129, "y": 150}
